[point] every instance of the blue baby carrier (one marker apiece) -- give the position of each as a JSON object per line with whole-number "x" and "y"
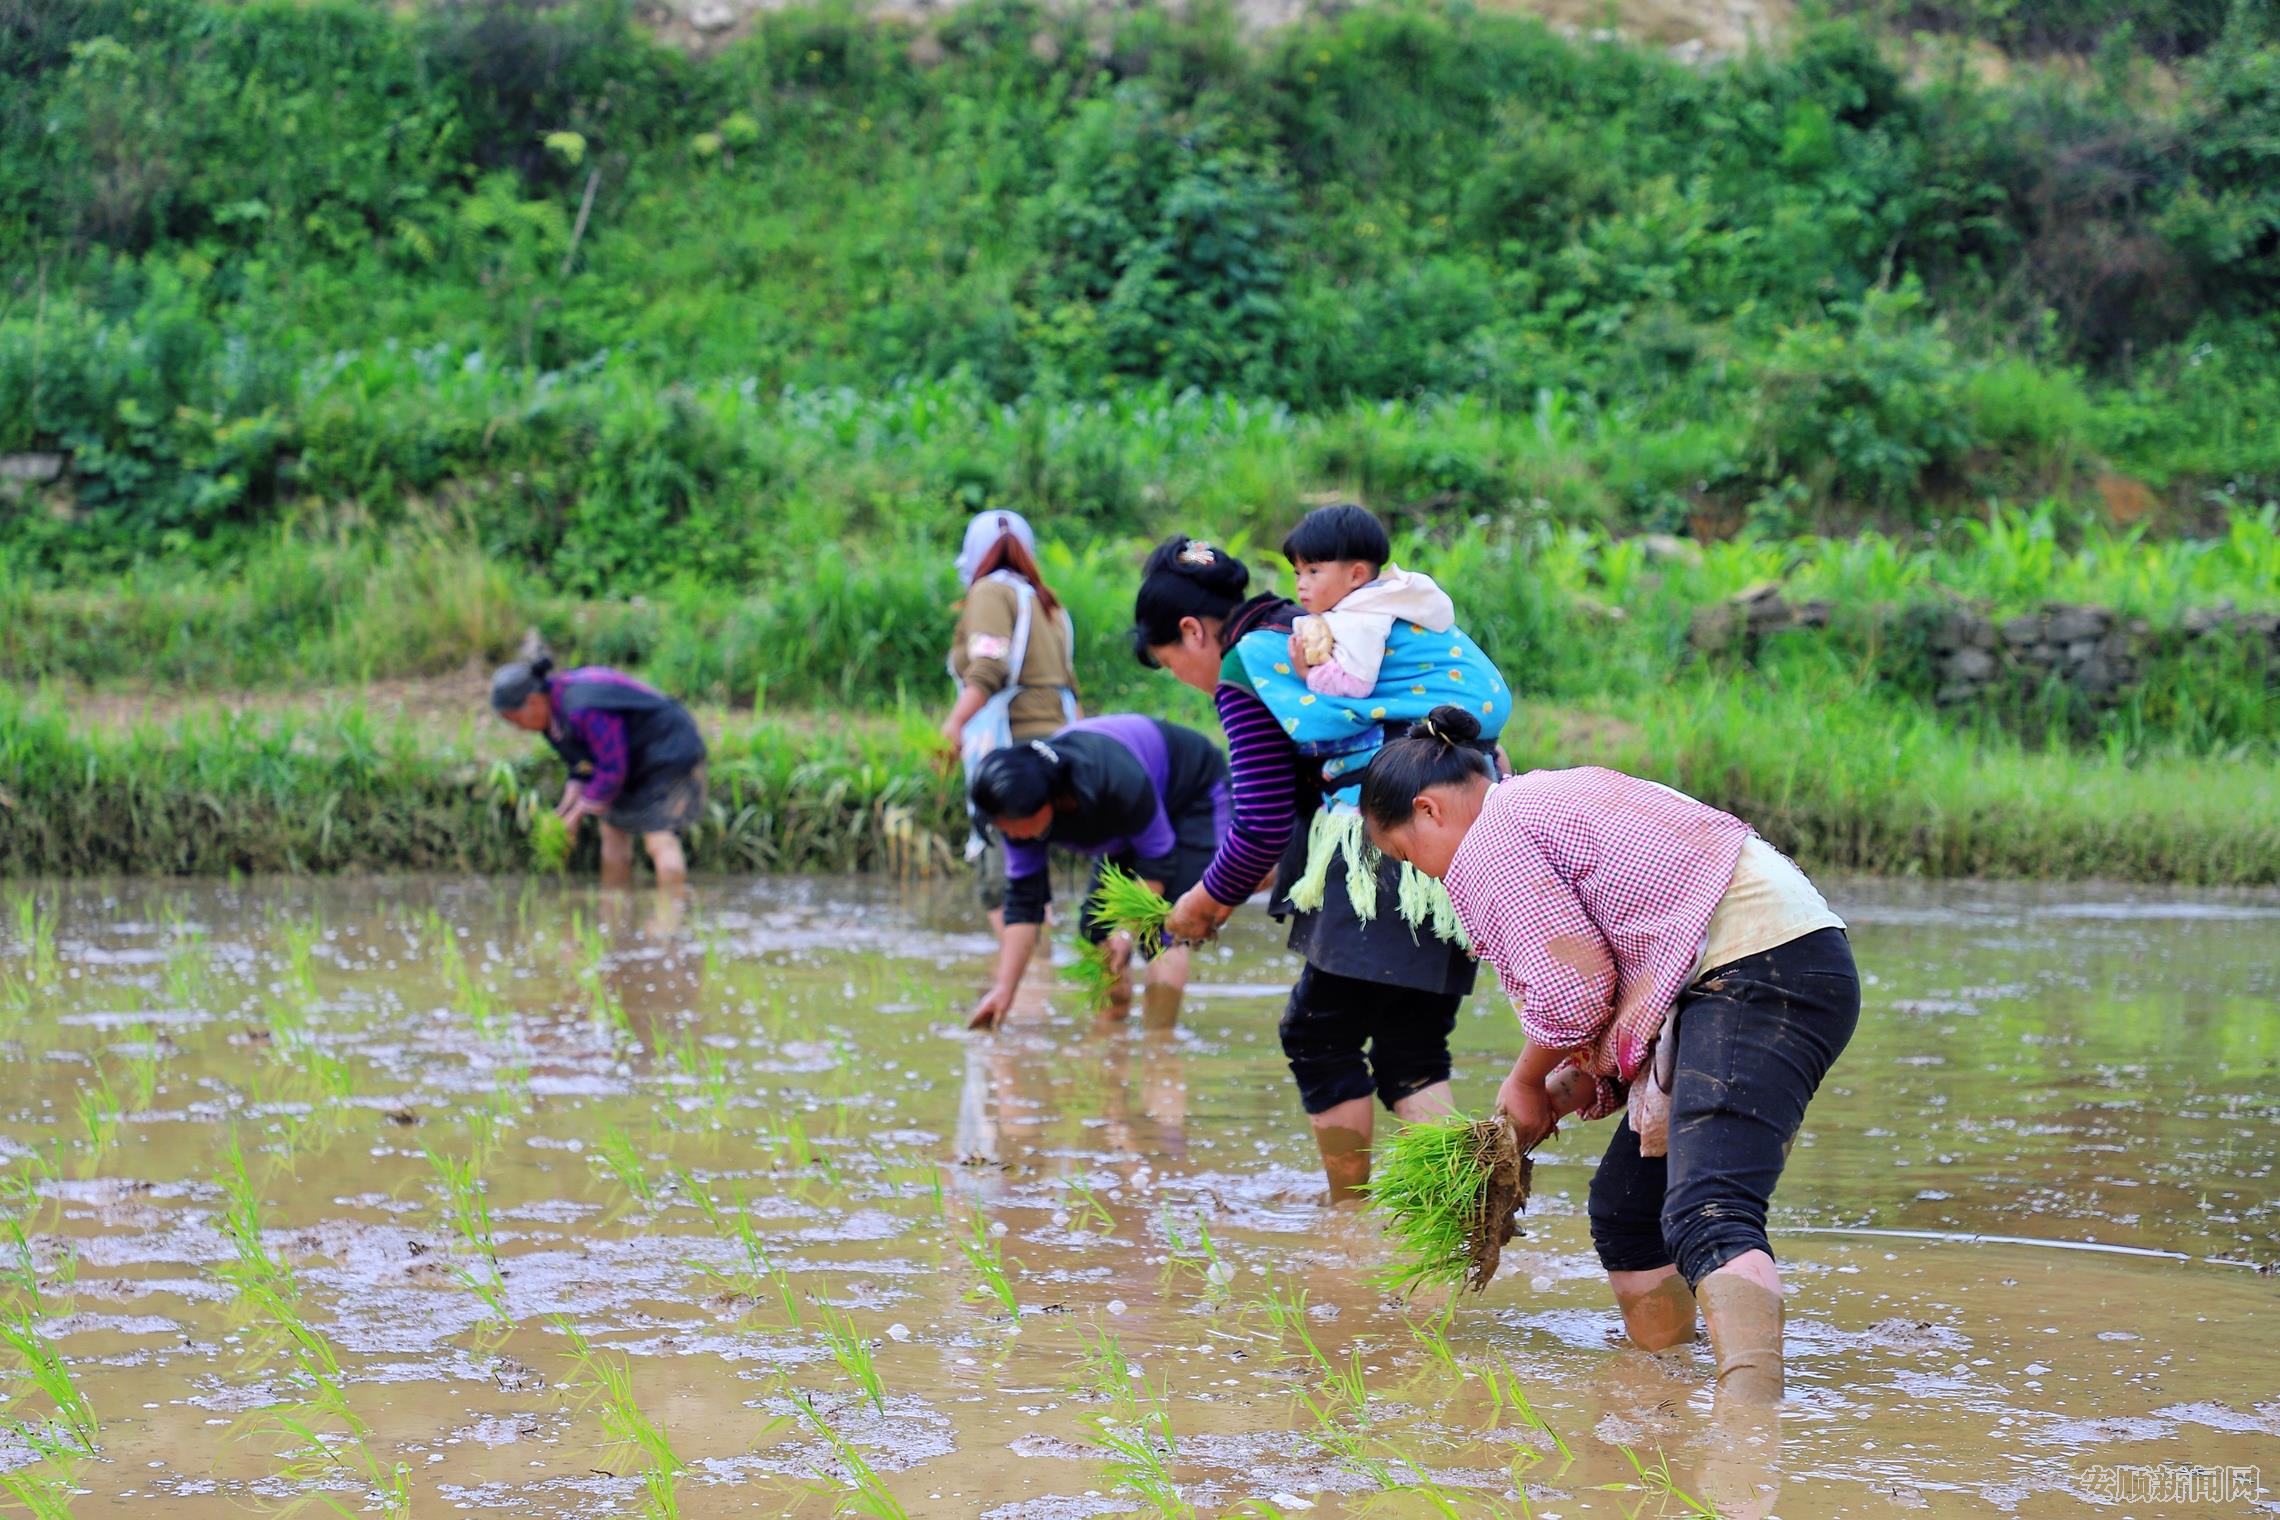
{"x": 1422, "y": 670}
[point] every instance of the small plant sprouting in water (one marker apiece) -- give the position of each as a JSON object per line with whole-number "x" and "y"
{"x": 1087, "y": 1212}
{"x": 616, "y": 1153}
{"x": 1505, "y": 1393}
{"x": 865, "y": 1493}
{"x": 981, "y": 1248}
{"x": 467, "y": 1209}
{"x": 142, "y": 1065}
{"x": 706, "y": 1070}
{"x": 760, "y": 1275}
{"x": 241, "y": 1224}
{"x": 608, "y": 1383}
{"x": 853, "y": 1353}
{"x": 300, "y": 940}
{"x": 98, "y": 1107}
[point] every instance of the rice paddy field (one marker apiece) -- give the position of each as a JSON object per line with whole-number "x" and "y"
{"x": 422, "y": 1196}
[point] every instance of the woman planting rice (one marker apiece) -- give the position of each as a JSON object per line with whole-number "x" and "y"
{"x": 1134, "y": 792}
{"x": 636, "y": 759}
{"x": 1688, "y": 967}
{"x": 1013, "y": 661}
{"x": 1373, "y": 1008}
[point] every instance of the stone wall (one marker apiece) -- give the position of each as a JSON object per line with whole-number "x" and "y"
{"x": 1965, "y": 656}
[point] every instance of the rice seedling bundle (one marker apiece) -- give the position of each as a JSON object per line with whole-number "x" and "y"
{"x": 550, "y": 842}
{"x": 1128, "y": 905}
{"x": 1095, "y": 979}
{"x": 1451, "y": 1191}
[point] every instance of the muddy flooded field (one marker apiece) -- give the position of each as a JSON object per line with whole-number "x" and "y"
{"x": 438, "y": 1196}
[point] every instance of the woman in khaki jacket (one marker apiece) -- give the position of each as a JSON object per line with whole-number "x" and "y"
{"x": 1014, "y": 659}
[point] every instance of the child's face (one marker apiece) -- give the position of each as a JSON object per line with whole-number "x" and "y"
{"x": 1323, "y": 583}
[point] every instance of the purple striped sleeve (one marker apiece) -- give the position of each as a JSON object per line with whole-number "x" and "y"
{"x": 1262, "y": 772}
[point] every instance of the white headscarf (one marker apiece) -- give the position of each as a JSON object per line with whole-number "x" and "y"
{"x": 982, "y": 535}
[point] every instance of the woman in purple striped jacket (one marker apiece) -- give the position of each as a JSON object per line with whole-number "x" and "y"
{"x": 1373, "y": 1008}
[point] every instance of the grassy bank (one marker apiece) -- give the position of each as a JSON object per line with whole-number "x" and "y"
{"x": 1865, "y": 785}
{"x": 325, "y": 263}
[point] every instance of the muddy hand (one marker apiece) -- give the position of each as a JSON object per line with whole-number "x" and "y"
{"x": 1195, "y": 917}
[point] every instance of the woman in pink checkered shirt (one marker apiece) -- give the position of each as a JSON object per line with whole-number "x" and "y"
{"x": 1680, "y": 962}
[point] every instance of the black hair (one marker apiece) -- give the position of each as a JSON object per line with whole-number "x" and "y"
{"x": 513, "y": 683}
{"x": 1015, "y": 781}
{"x": 1184, "y": 577}
{"x": 1339, "y": 533}
{"x": 1438, "y": 751}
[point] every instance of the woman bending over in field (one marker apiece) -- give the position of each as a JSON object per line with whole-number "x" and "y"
{"x": 1685, "y": 965}
{"x": 636, "y": 759}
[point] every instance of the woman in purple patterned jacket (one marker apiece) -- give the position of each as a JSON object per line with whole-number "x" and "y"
{"x": 636, "y": 759}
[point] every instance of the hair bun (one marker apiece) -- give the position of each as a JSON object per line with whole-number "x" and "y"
{"x": 542, "y": 667}
{"x": 1210, "y": 566}
{"x": 1449, "y": 724}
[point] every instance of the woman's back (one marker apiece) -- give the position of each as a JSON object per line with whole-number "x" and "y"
{"x": 981, "y": 653}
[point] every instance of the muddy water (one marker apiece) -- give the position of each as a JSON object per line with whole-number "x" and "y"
{"x": 2023, "y": 1229}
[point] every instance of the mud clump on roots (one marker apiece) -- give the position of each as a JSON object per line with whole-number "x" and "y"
{"x": 1503, "y": 1194}
{"x": 1451, "y": 1191}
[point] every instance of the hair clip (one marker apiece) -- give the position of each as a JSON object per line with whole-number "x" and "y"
{"x": 1197, "y": 552}
{"x": 1052, "y": 756}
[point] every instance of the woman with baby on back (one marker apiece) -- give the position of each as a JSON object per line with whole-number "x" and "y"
{"x": 1373, "y": 1008}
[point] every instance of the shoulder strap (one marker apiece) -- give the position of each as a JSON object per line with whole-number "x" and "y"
{"x": 1020, "y": 654}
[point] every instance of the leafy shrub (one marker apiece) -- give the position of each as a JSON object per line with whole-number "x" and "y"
{"x": 1864, "y": 412}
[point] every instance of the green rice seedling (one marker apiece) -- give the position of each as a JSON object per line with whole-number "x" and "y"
{"x": 1285, "y": 1312}
{"x": 20, "y": 1273}
{"x": 1086, "y": 1211}
{"x": 982, "y": 1253}
{"x": 853, "y": 1353}
{"x": 1198, "y": 1255}
{"x": 1506, "y": 1394}
{"x": 862, "y": 1492}
{"x": 1432, "y": 1333}
{"x": 35, "y": 932}
{"x": 97, "y": 1105}
{"x": 706, "y": 1070}
{"x": 616, "y": 1153}
{"x": 300, "y": 939}
{"x": 43, "y": 1366}
{"x": 1139, "y": 1453}
{"x": 466, "y": 1203}
{"x": 142, "y": 1066}
{"x": 759, "y": 1277}
{"x": 46, "y": 1487}
{"x": 241, "y": 1222}
{"x": 608, "y": 1384}
{"x": 288, "y": 1022}
{"x": 1448, "y": 1189}
{"x": 1656, "y": 1478}
{"x": 1102, "y": 1368}
{"x": 1128, "y": 905}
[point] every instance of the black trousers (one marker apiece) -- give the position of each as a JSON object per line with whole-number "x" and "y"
{"x": 1754, "y": 1040}
{"x": 1330, "y": 1021}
